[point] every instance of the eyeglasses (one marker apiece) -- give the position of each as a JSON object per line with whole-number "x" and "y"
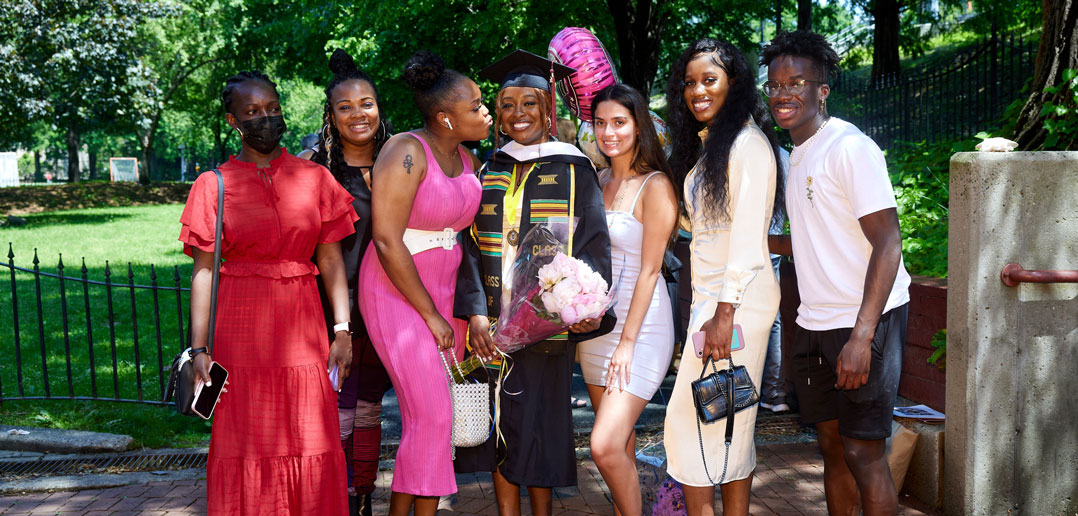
{"x": 794, "y": 87}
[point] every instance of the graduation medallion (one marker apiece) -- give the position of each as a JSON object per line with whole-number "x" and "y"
{"x": 512, "y": 237}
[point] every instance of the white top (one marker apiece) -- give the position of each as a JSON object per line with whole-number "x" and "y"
{"x": 835, "y": 179}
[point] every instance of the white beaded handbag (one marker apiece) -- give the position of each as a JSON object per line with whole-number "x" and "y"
{"x": 471, "y": 408}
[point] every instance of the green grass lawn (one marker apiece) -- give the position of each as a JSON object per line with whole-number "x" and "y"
{"x": 105, "y": 360}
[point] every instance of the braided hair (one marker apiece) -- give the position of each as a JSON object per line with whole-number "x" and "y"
{"x": 742, "y": 102}
{"x": 240, "y": 78}
{"x": 330, "y": 153}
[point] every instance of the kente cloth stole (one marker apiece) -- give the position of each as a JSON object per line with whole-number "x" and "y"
{"x": 498, "y": 236}
{"x": 511, "y": 210}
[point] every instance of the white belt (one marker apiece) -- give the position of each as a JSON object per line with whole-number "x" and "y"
{"x": 419, "y": 240}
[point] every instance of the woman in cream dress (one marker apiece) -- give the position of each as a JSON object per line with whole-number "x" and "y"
{"x": 730, "y": 189}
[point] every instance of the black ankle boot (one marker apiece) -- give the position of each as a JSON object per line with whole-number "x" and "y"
{"x": 363, "y": 508}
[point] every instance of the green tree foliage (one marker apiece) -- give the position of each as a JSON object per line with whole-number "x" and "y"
{"x": 294, "y": 40}
{"x": 71, "y": 63}
{"x": 174, "y": 48}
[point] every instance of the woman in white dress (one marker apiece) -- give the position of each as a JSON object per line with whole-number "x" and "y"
{"x": 730, "y": 188}
{"x": 624, "y": 368}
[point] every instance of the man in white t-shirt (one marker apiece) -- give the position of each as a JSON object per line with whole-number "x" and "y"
{"x": 847, "y": 249}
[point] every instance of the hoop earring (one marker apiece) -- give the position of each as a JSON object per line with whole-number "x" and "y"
{"x": 385, "y": 130}
{"x": 325, "y": 132}
{"x": 329, "y": 151}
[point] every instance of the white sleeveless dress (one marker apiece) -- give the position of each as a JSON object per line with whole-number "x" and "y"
{"x": 655, "y": 342}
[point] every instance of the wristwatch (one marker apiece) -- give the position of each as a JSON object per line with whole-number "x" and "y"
{"x": 344, "y": 326}
{"x": 195, "y": 351}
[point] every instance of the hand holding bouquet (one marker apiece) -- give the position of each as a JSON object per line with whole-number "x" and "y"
{"x": 549, "y": 290}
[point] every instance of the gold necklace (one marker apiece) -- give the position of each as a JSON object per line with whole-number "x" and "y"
{"x": 805, "y": 145}
{"x": 620, "y": 195}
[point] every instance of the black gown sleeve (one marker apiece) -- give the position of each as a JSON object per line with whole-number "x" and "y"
{"x": 470, "y": 299}
{"x": 591, "y": 240}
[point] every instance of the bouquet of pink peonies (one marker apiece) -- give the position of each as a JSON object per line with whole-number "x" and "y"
{"x": 550, "y": 291}
{"x": 570, "y": 291}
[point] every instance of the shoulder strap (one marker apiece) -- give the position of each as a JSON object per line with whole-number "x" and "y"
{"x": 632, "y": 209}
{"x": 217, "y": 240}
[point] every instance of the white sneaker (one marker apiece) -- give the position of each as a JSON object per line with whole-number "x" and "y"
{"x": 777, "y": 405}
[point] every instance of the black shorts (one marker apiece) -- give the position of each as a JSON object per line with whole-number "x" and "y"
{"x": 864, "y": 413}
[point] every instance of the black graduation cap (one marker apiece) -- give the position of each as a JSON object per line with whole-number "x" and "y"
{"x": 525, "y": 69}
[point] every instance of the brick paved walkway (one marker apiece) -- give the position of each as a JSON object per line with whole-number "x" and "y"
{"x": 789, "y": 481}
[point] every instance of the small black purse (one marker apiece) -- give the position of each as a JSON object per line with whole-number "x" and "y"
{"x": 713, "y": 396}
{"x": 181, "y": 376}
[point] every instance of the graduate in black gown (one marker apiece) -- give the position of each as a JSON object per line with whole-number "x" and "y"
{"x": 528, "y": 181}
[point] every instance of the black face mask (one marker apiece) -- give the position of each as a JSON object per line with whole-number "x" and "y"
{"x": 263, "y": 134}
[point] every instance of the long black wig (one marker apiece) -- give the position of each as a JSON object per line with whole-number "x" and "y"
{"x": 743, "y": 101}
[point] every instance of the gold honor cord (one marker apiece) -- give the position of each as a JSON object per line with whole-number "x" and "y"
{"x": 514, "y": 196}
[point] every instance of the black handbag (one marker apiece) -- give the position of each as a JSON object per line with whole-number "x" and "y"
{"x": 713, "y": 396}
{"x": 181, "y": 377}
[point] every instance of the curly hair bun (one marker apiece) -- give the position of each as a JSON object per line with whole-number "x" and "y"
{"x": 340, "y": 63}
{"x": 423, "y": 70}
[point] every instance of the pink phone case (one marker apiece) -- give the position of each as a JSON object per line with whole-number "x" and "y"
{"x": 736, "y": 343}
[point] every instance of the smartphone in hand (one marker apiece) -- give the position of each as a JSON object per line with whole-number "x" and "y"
{"x": 736, "y": 343}
{"x": 206, "y": 397}
{"x": 334, "y": 378}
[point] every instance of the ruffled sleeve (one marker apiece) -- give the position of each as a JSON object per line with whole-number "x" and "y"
{"x": 199, "y": 216}
{"x": 335, "y": 207}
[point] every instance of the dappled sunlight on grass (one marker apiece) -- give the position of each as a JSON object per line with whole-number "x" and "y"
{"x": 140, "y": 235}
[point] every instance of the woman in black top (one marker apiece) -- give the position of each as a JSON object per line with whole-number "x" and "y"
{"x": 349, "y": 142}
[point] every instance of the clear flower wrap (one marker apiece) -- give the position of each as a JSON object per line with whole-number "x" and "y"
{"x": 549, "y": 290}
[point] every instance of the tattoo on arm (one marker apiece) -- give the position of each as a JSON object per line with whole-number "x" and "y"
{"x": 408, "y": 163}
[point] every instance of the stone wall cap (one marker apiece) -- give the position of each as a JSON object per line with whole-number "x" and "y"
{"x": 928, "y": 280}
{"x": 967, "y": 157}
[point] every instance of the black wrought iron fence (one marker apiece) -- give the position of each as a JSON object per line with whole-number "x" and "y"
{"x": 958, "y": 101}
{"x": 67, "y": 336}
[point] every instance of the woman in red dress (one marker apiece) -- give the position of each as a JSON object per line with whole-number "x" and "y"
{"x": 274, "y": 447}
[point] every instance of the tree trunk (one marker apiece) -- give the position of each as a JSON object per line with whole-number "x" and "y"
{"x": 73, "y": 173}
{"x": 93, "y": 164}
{"x": 639, "y": 30}
{"x": 778, "y": 16}
{"x": 1058, "y": 51}
{"x": 804, "y": 15}
{"x": 145, "y": 142}
{"x": 885, "y": 60}
{"x": 218, "y": 141}
{"x": 147, "y": 165}
{"x": 39, "y": 176}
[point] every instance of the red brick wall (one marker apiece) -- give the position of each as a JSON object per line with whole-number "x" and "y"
{"x": 923, "y": 382}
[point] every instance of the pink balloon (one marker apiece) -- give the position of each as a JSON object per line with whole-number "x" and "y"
{"x": 578, "y": 48}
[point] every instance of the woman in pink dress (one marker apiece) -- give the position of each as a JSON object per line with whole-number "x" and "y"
{"x": 424, "y": 192}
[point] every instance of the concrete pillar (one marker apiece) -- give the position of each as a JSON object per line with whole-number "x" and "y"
{"x": 1012, "y": 352}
